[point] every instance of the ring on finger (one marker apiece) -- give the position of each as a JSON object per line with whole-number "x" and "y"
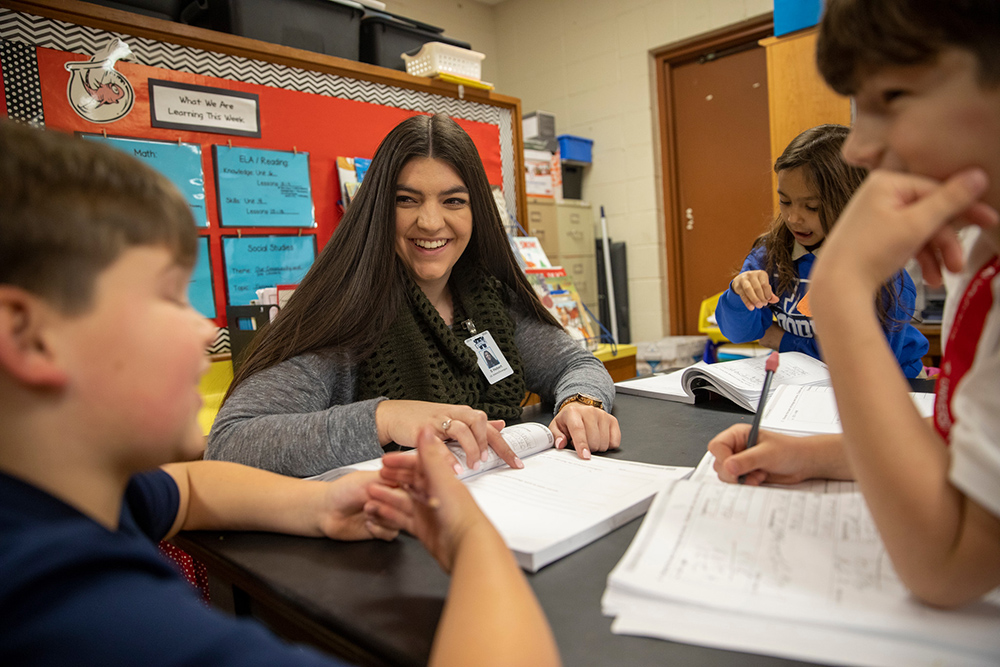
{"x": 445, "y": 425}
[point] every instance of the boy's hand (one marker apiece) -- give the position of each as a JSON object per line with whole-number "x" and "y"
{"x": 589, "y": 429}
{"x": 893, "y": 217}
{"x": 433, "y": 505}
{"x": 342, "y": 512}
{"x": 776, "y": 458}
{"x": 754, "y": 288}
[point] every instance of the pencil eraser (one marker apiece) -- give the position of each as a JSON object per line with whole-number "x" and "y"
{"x": 771, "y": 364}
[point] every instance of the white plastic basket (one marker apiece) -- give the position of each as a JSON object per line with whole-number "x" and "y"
{"x": 440, "y": 58}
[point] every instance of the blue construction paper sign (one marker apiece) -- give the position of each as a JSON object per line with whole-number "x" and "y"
{"x": 181, "y": 163}
{"x": 200, "y": 292}
{"x": 260, "y": 188}
{"x": 253, "y": 262}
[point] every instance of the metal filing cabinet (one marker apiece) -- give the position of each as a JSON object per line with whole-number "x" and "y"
{"x": 566, "y": 232}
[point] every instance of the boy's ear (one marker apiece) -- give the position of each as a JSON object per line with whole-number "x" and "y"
{"x": 25, "y": 352}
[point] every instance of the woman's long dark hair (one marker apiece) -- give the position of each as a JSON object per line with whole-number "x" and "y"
{"x": 353, "y": 291}
{"x": 817, "y": 152}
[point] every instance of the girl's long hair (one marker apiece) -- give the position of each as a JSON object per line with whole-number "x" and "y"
{"x": 817, "y": 152}
{"x": 352, "y": 293}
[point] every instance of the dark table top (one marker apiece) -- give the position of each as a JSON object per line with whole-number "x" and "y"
{"x": 379, "y": 602}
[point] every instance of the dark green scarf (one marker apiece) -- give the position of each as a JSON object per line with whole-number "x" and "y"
{"x": 420, "y": 358}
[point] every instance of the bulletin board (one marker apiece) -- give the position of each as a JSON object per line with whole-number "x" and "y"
{"x": 300, "y": 112}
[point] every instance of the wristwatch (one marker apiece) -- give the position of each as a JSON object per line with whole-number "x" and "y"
{"x": 581, "y": 398}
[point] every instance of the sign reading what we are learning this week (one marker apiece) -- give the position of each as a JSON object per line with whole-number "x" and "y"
{"x": 182, "y": 106}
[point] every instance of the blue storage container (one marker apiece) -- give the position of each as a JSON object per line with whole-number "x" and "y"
{"x": 792, "y": 15}
{"x": 573, "y": 148}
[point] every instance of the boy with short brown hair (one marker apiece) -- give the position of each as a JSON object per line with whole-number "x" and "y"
{"x": 100, "y": 358}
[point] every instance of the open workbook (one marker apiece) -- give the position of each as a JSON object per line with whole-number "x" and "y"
{"x": 739, "y": 380}
{"x": 558, "y": 502}
{"x": 798, "y": 572}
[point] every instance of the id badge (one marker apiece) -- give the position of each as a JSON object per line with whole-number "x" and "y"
{"x": 491, "y": 360}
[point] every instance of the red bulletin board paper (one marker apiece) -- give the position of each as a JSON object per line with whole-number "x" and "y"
{"x": 3, "y": 98}
{"x": 325, "y": 127}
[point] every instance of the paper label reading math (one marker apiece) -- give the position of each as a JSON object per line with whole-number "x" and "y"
{"x": 491, "y": 360}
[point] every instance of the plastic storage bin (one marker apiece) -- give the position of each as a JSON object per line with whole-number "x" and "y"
{"x": 385, "y": 38}
{"x": 440, "y": 58}
{"x": 573, "y": 148}
{"x": 332, "y": 27}
{"x": 169, "y": 10}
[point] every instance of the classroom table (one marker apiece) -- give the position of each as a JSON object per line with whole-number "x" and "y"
{"x": 379, "y": 603}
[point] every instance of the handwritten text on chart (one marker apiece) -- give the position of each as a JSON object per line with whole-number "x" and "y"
{"x": 259, "y": 188}
{"x": 256, "y": 262}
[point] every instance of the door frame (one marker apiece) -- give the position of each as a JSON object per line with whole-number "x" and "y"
{"x": 665, "y": 60}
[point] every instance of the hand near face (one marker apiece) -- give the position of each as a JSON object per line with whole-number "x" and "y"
{"x": 587, "y": 428}
{"x": 429, "y": 502}
{"x": 754, "y": 288}
{"x": 402, "y": 421}
{"x": 894, "y": 217}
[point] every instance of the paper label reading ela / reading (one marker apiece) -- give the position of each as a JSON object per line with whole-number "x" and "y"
{"x": 491, "y": 360}
{"x": 263, "y": 188}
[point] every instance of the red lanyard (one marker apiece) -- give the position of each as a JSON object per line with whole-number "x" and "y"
{"x": 960, "y": 350}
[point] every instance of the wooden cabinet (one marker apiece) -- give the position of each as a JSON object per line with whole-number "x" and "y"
{"x": 798, "y": 97}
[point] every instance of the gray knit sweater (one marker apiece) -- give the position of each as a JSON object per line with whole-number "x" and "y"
{"x": 301, "y": 417}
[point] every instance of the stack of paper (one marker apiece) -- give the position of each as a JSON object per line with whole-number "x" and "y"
{"x": 792, "y": 572}
{"x": 810, "y": 410}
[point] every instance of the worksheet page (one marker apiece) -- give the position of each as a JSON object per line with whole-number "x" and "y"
{"x": 812, "y": 557}
{"x": 559, "y": 495}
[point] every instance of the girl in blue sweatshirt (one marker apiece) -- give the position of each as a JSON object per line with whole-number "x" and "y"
{"x": 765, "y": 300}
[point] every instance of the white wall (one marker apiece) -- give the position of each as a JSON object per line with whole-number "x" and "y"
{"x": 589, "y": 63}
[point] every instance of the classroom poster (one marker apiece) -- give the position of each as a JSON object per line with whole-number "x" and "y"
{"x": 179, "y": 162}
{"x": 200, "y": 292}
{"x": 263, "y": 188}
{"x": 255, "y": 262}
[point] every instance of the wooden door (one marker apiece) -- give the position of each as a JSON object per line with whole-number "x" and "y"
{"x": 722, "y": 174}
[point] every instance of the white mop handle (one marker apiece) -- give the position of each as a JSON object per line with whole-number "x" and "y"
{"x": 609, "y": 283}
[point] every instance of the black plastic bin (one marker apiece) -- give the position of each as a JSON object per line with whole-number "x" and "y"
{"x": 169, "y": 10}
{"x": 384, "y": 38}
{"x": 324, "y": 26}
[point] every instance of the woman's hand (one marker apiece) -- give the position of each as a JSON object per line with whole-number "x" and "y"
{"x": 754, "y": 288}
{"x": 590, "y": 429}
{"x": 428, "y": 501}
{"x": 342, "y": 509}
{"x": 777, "y": 458}
{"x": 402, "y": 421}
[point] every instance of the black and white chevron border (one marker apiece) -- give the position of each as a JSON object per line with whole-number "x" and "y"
{"x": 53, "y": 34}
{"x": 221, "y": 343}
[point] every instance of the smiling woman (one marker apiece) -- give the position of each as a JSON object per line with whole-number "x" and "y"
{"x": 388, "y": 332}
